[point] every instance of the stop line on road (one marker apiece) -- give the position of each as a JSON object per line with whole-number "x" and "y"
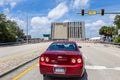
{"x": 101, "y": 68}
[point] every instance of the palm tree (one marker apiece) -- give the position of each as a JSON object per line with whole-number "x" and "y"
{"x": 108, "y": 32}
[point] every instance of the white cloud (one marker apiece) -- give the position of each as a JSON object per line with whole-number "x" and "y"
{"x": 40, "y": 25}
{"x": 21, "y": 23}
{"x": 80, "y": 3}
{"x": 95, "y": 25}
{"x": 92, "y": 28}
{"x": 39, "y": 22}
{"x": 58, "y": 11}
{"x": 67, "y": 21}
{"x": 6, "y": 10}
{"x": 112, "y": 16}
{"x": 59, "y": 1}
{"x": 1, "y": 2}
{"x": 12, "y": 4}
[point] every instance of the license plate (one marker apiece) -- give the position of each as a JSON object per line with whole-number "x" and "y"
{"x": 59, "y": 70}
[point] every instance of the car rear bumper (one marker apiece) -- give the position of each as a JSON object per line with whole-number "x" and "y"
{"x": 70, "y": 70}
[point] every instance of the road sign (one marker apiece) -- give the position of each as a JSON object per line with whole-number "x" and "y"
{"x": 92, "y": 12}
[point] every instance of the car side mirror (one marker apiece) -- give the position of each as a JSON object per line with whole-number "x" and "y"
{"x": 80, "y": 46}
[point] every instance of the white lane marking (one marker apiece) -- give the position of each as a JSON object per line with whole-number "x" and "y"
{"x": 101, "y": 68}
{"x": 95, "y": 67}
{"x": 117, "y": 68}
{"x": 85, "y": 57}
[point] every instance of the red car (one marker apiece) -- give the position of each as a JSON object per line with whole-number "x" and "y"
{"x": 62, "y": 59}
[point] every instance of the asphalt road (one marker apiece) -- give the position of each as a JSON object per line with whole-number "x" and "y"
{"x": 12, "y": 57}
{"x": 9, "y": 51}
{"x": 102, "y": 63}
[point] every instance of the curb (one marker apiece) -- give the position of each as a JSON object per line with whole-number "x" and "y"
{"x": 9, "y": 71}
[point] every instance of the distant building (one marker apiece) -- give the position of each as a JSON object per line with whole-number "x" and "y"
{"x": 59, "y": 31}
{"x": 68, "y": 31}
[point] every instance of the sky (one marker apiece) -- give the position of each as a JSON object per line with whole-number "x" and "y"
{"x": 41, "y": 13}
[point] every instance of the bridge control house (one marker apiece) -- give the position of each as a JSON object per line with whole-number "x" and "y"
{"x": 68, "y": 31}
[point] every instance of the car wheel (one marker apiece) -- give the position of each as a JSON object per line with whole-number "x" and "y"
{"x": 85, "y": 76}
{"x": 45, "y": 77}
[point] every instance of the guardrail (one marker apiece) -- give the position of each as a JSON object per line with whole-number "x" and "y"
{"x": 112, "y": 43}
{"x": 10, "y": 43}
{"x": 115, "y": 43}
{"x": 21, "y": 43}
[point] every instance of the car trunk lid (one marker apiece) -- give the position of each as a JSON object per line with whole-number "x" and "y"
{"x": 61, "y": 57}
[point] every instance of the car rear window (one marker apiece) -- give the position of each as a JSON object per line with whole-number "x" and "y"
{"x": 63, "y": 46}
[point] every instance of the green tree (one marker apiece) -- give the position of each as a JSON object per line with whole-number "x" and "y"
{"x": 117, "y": 21}
{"x": 19, "y": 32}
{"x": 103, "y": 31}
{"x": 12, "y": 28}
{"x": 107, "y": 31}
{"x": 111, "y": 31}
{"x": 9, "y": 30}
{"x": 117, "y": 39}
{"x": 2, "y": 17}
{"x": 3, "y": 32}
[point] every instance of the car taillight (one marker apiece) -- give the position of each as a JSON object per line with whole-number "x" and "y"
{"x": 76, "y": 60}
{"x": 79, "y": 60}
{"x": 47, "y": 59}
{"x": 73, "y": 60}
{"x": 44, "y": 59}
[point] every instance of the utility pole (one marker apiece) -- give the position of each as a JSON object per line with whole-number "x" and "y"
{"x": 27, "y": 28}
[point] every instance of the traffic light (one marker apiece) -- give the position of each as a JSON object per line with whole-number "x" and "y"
{"x": 82, "y": 12}
{"x": 102, "y": 12}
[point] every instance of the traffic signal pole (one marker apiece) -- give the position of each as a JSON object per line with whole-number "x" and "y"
{"x": 110, "y": 13}
{"x": 93, "y": 12}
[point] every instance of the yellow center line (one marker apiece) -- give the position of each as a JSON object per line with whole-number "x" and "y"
{"x": 18, "y": 56}
{"x": 25, "y": 71}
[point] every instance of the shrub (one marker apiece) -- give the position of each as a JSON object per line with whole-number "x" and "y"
{"x": 117, "y": 39}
